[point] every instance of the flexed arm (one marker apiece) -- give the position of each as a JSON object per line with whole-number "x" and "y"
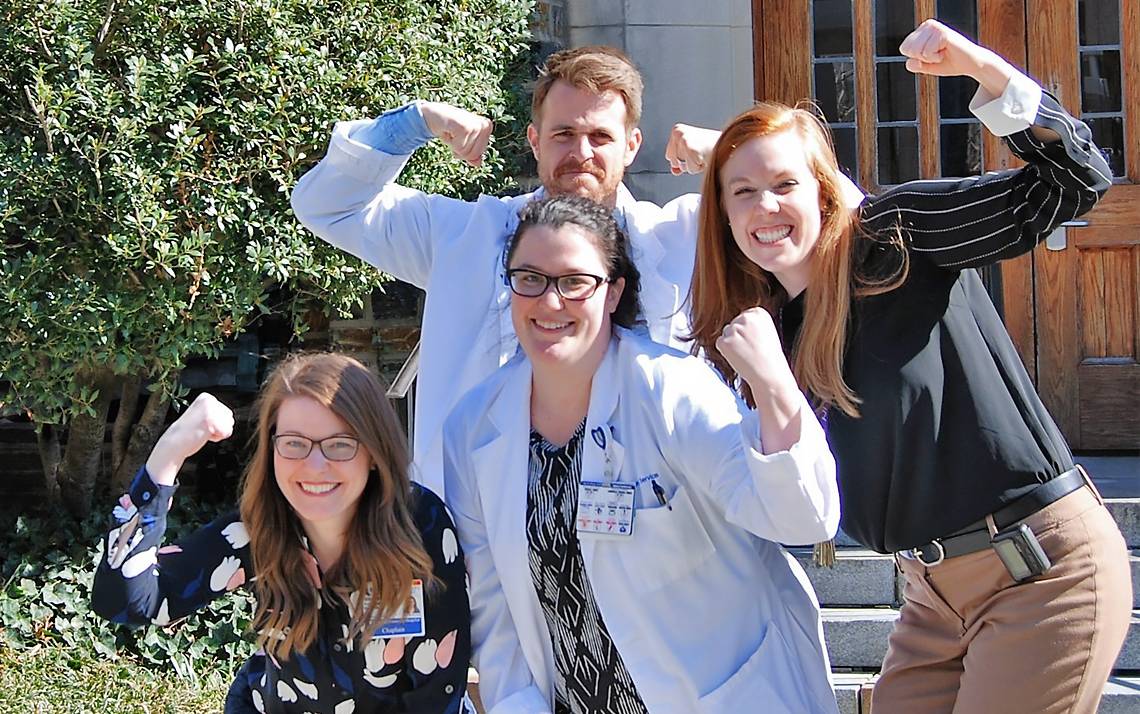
{"x": 352, "y": 201}
{"x": 935, "y": 49}
{"x": 139, "y": 580}
{"x": 978, "y": 220}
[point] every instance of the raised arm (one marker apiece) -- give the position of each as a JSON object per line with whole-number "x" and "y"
{"x": 780, "y": 486}
{"x": 350, "y": 199}
{"x": 139, "y": 581}
{"x": 969, "y": 222}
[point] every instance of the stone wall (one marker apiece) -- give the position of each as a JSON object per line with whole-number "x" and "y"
{"x": 696, "y": 58}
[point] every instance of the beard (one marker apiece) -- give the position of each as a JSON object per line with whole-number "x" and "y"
{"x": 585, "y": 179}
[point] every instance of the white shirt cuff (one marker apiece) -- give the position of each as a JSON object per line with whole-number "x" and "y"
{"x": 1015, "y": 110}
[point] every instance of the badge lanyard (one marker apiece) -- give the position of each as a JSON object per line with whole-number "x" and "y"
{"x": 605, "y": 508}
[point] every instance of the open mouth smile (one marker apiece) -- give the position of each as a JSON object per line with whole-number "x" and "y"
{"x": 769, "y": 236}
{"x": 317, "y": 489}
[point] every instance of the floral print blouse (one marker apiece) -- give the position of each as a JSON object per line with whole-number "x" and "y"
{"x": 140, "y": 581}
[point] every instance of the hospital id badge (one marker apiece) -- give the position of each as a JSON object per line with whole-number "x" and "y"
{"x": 605, "y": 509}
{"x": 409, "y": 620}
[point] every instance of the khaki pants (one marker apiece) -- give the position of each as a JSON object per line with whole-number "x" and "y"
{"x": 969, "y": 640}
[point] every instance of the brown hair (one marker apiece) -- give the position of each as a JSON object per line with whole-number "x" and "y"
{"x": 726, "y": 282}
{"x": 595, "y": 68}
{"x": 383, "y": 549}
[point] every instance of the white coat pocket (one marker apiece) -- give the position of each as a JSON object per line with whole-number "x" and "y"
{"x": 669, "y": 542}
{"x": 770, "y": 676}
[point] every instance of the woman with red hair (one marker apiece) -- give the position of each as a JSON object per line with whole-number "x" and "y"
{"x": 1016, "y": 578}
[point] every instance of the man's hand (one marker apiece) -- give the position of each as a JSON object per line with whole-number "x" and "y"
{"x": 207, "y": 419}
{"x": 689, "y": 148}
{"x": 467, "y": 134}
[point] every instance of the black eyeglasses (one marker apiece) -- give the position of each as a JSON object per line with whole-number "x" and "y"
{"x": 296, "y": 447}
{"x": 572, "y": 286}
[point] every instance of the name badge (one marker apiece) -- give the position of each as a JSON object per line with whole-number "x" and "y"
{"x": 605, "y": 509}
{"x": 409, "y": 620}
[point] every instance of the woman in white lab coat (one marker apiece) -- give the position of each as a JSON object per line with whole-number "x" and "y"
{"x": 621, "y": 511}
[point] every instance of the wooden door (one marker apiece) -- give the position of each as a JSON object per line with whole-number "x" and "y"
{"x": 1071, "y": 313}
{"x": 1087, "y": 289}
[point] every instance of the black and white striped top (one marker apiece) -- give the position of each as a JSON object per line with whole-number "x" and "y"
{"x": 590, "y": 677}
{"x": 951, "y": 426}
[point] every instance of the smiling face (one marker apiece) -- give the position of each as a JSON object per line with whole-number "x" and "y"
{"x": 323, "y": 493}
{"x": 771, "y": 200}
{"x": 555, "y": 332}
{"x": 581, "y": 142}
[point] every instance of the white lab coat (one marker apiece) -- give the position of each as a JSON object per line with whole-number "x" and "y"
{"x": 454, "y": 250}
{"x": 708, "y": 613}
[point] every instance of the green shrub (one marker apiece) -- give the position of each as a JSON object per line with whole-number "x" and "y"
{"x": 147, "y": 151}
{"x": 47, "y": 575}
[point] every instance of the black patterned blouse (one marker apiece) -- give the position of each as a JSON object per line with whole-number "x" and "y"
{"x": 140, "y": 581}
{"x": 590, "y": 677}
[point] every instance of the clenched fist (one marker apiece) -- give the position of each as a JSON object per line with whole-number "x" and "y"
{"x": 689, "y": 148}
{"x": 205, "y": 420}
{"x": 467, "y": 133}
{"x": 752, "y": 347}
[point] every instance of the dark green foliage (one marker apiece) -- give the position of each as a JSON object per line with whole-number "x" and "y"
{"x": 47, "y": 574}
{"x": 147, "y": 152}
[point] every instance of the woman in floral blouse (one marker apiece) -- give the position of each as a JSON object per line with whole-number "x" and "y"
{"x": 361, "y": 598}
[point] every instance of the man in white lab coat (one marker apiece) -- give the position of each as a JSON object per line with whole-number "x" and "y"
{"x": 584, "y": 134}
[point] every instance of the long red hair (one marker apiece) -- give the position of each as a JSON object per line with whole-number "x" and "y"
{"x": 725, "y": 282}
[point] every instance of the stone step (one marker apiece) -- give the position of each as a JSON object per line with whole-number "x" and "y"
{"x": 1134, "y": 560}
{"x": 1126, "y": 511}
{"x": 1130, "y": 654}
{"x": 847, "y": 690}
{"x": 1121, "y": 696}
{"x": 859, "y": 577}
{"x": 857, "y": 638}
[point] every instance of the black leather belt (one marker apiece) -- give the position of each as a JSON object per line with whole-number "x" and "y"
{"x": 976, "y": 536}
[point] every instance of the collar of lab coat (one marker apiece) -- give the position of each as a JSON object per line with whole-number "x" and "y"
{"x": 509, "y": 414}
{"x": 502, "y": 466}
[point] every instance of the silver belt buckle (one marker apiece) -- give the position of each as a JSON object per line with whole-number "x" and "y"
{"x": 920, "y": 555}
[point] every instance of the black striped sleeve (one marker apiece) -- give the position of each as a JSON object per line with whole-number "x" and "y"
{"x": 975, "y": 221}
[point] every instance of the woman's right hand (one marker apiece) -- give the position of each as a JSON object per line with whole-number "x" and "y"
{"x": 206, "y": 419}
{"x": 752, "y": 347}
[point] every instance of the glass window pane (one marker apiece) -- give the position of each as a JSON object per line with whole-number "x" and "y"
{"x": 954, "y": 95}
{"x": 835, "y": 90}
{"x": 846, "y": 152}
{"x": 898, "y": 154}
{"x": 832, "y": 26}
{"x": 896, "y": 92}
{"x": 894, "y": 20}
{"x": 1100, "y": 81}
{"x": 961, "y": 149}
{"x": 1098, "y": 22}
{"x": 1108, "y": 133}
{"x": 962, "y": 15}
